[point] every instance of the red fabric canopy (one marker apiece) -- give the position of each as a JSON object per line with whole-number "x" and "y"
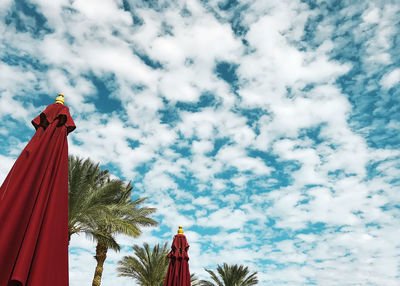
{"x": 34, "y": 206}
{"x": 178, "y": 268}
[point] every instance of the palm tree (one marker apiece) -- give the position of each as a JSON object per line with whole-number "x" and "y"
{"x": 231, "y": 275}
{"x": 127, "y": 218}
{"x": 102, "y": 208}
{"x": 148, "y": 267}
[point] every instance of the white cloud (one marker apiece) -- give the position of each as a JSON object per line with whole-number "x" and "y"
{"x": 225, "y": 218}
{"x": 236, "y": 157}
{"x": 5, "y": 167}
{"x": 378, "y": 47}
{"x": 103, "y": 10}
{"x": 391, "y": 79}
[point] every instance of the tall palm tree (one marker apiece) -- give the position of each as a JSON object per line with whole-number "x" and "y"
{"x": 127, "y": 218}
{"x": 148, "y": 267}
{"x": 102, "y": 208}
{"x": 231, "y": 275}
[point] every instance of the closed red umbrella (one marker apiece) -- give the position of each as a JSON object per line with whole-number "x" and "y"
{"x": 34, "y": 206}
{"x": 178, "y": 268}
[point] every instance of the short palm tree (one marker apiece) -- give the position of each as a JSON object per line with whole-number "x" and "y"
{"x": 231, "y": 275}
{"x": 148, "y": 267}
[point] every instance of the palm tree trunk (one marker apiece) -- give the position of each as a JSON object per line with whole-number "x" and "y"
{"x": 101, "y": 255}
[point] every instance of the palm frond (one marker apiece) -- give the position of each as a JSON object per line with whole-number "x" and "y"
{"x": 230, "y": 275}
{"x": 147, "y": 266}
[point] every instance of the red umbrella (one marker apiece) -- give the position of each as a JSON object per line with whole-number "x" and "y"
{"x": 178, "y": 268}
{"x": 34, "y": 206}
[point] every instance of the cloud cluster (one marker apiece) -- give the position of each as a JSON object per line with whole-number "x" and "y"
{"x": 254, "y": 124}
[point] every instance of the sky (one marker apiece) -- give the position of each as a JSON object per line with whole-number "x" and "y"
{"x": 270, "y": 130}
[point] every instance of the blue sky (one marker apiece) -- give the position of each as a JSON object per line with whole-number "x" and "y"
{"x": 268, "y": 129}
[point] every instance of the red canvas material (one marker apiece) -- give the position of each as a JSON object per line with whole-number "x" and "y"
{"x": 34, "y": 206}
{"x": 178, "y": 268}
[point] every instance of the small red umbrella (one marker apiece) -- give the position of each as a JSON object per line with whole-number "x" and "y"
{"x": 178, "y": 268}
{"x": 34, "y": 206}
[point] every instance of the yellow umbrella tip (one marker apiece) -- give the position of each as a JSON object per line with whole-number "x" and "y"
{"x": 180, "y": 230}
{"x": 60, "y": 98}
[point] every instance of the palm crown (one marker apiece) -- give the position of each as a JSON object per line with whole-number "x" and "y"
{"x": 231, "y": 275}
{"x": 148, "y": 267}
